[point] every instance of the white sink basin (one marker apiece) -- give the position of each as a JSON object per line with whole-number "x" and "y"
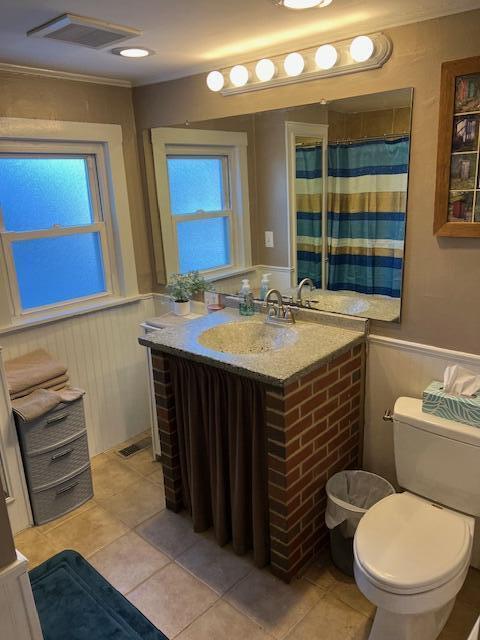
{"x": 247, "y": 337}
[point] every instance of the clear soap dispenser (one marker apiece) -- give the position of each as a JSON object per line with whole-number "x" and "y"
{"x": 264, "y": 285}
{"x": 247, "y": 306}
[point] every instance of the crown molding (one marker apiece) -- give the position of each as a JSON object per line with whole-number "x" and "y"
{"x": 63, "y": 75}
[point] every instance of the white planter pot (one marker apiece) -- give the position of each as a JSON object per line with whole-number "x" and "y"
{"x": 181, "y": 308}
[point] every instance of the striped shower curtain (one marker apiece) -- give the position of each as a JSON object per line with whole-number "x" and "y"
{"x": 366, "y": 215}
{"x": 309, "y": 188}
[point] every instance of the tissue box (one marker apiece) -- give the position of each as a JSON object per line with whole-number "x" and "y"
{"x": 458, "y": 408}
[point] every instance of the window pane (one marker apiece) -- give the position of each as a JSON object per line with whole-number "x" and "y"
{"x": 36, "y": 193}
{"x": 51, "y": 270}
{"x": 196, "y": 184}
{"x": 203, "y": 244}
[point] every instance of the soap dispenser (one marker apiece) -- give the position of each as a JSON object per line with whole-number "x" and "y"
{"x": 264, "y": 286}
{"x": 245, "y": 287}
{"x": 247, "y": 305}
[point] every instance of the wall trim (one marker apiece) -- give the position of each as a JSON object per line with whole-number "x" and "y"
{"x": 460, "y": 357}
{"x": 64, "y": 75}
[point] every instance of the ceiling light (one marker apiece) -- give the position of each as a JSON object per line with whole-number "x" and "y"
{"x": 239, "y": 75}
{"x": 362, "y": 48}
{"x": 326, "y": 56}
{"x": 265, "y": 70}
{"x": 302, "y": 4}
{"x": 215, "y": 81}
{"x": 294, "y": 64}
{"x": 132, "y": 52}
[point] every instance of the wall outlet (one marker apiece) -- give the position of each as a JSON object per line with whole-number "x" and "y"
{"x": 269, "y": 239}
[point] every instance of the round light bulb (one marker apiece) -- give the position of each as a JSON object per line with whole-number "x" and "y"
{"x": 239, "y": 75}
{"x": 134, "y": 53}
{"x": 305, "y": 4}
{"x": 215, "y": 81}
{"x": 294, "y": 64}
{"x": 326, "y": 56}
{"x": 362, "y": 48}
{"x": 265, "y": 70}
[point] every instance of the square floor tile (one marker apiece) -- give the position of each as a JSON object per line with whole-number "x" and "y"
{"x": 331, "y": 619}
{"x": 128, "y": 561}
{"x": 143, "y": 462}
{"x": 170, "y": 532}
{"x": 111, "y": 477}
{"x": 223, "y": 622}
{"x": 43, "y": 528}
{"x": 87, "y": 532}
{"x": 35, "y": 546}
{"x": 271, "y": 603}
{"x": 172, "y": 599}
{"x": 136, "y": 503}
{"x": 219, "y": 567}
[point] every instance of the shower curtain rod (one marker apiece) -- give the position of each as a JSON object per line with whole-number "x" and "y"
{"x": 354, "y": 140}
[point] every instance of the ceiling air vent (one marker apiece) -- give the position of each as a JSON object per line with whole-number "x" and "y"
{"x": 86, "y": 32}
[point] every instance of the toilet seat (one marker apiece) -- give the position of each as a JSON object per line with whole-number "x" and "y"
{"x": 407, "y": 545}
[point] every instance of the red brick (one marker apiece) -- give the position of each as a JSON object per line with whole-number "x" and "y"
{"x": 325, "y": 381}
{"x": 356, "y": 363}
{"x": 340, "y": 360}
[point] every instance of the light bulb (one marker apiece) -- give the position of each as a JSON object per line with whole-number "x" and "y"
{"x": 362, "y": 48}
{"x": 326, "y": 56}
{"x": 305, "y": 4}
{"x": 215, "y": 81}
{"x": 239, "y": 75}
{"x": 134, "y": 53}
{"x": 265, "y": 70}
{"x": 294, "y": 64}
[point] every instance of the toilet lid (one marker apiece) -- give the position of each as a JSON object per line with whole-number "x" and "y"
{"x": 408, "y": 545}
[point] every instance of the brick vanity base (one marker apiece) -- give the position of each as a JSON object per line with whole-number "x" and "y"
{"x": 314, "y": 429}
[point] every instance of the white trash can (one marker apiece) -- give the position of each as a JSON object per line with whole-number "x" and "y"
{"x": 350, "y": 495}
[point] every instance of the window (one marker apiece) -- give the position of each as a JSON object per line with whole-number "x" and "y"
{"x": 53, "y": 224}
{"x": 202, "y": 192}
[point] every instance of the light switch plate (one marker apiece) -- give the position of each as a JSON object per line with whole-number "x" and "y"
{"x": 269, "y": 239}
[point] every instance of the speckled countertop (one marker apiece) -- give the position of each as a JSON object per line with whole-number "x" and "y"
{"x": 315, "y": 345}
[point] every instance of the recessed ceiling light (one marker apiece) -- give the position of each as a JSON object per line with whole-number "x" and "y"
{"x": 302, "y": 4}
{"x": 133, "y": 52}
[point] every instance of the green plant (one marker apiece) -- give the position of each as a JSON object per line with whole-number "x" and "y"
{"x": 182, "y": 286}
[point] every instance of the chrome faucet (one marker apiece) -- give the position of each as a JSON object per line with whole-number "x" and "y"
{"x": 305, "y": 282}
{"x": 276, "y": 312}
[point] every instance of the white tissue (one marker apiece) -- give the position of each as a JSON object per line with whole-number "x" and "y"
{"x": 458, "y": 381}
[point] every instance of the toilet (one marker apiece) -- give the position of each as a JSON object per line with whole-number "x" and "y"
{"x": 413, "y": 550}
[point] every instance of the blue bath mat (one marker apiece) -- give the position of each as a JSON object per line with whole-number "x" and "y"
{"x": 75, "y": 602}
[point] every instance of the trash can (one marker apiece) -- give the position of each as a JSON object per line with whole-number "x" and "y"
{"x": 350, "y": 494}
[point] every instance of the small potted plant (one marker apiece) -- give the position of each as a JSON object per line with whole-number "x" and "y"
{"x": 182, "y": 286}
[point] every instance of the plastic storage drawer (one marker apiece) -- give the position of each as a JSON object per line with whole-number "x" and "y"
{"x": 45, "y": 468}
{"x": 54, "y": 428}
{"x": 54, "y": 501}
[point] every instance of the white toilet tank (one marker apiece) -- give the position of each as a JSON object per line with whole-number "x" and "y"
{"x": 436, "y": 458}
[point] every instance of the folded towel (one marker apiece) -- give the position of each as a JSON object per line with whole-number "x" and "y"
{"x": 42, "y": 401}
{"x": 54, "y": 384}
{"x": 31, "y": 370}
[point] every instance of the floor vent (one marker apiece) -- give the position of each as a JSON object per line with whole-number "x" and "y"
{"x": 86, "y": 32}
{"x": 134, "y": 448}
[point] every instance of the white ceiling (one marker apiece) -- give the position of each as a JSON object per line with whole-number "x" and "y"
{"x": 193, "y": 36}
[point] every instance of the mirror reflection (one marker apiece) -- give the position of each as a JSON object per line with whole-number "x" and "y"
{"x": 327, "y": 186}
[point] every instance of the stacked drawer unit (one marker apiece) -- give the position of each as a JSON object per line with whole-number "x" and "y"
{"x": 56, "y": 461}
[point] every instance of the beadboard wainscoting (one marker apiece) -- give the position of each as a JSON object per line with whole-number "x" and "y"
{"x": 399, "y": 368}
{"x": 103, "y": 357}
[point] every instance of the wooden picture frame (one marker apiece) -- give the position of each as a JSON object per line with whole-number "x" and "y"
{"x": 457, "y": 195}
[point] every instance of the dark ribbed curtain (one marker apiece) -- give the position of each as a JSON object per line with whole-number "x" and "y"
{"x": 222, "y": 444}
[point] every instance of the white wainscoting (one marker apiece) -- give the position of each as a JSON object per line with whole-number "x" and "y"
{"x": 103, "y": 357}
{"x": 399, "y": 368}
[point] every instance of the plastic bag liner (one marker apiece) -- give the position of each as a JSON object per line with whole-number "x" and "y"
{"x": 350, "y": 495}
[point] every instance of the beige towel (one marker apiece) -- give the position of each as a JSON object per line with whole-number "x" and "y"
{"x": 54, "y": 384}
{"x": 42, "y": 401}
{"x": 31, "y": 370}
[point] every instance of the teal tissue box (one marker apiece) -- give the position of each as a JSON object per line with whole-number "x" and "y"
{"x": 458, "y": 408}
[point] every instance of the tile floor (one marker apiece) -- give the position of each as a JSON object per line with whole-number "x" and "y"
{"x": 194, "y": 590}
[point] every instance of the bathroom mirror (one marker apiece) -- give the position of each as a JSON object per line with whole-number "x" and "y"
{"x": 327, "y": 197}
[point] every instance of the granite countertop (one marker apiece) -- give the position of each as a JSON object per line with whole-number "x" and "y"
{"x": 315, "y": 344}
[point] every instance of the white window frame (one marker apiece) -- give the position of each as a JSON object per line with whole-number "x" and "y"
{"x": 102, "y": 146}
{"x": 196, "y": 142}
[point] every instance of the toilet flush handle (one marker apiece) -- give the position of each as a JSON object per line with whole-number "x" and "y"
{"x": 388, "y": 416}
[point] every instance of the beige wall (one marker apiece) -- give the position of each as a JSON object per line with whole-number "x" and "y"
{"x": 23, "y": 96}
{"x": 442, "y": 293}
{"x": 370, "y": 124}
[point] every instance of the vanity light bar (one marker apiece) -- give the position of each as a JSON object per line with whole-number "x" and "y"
{"x": 331, "y": 59}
